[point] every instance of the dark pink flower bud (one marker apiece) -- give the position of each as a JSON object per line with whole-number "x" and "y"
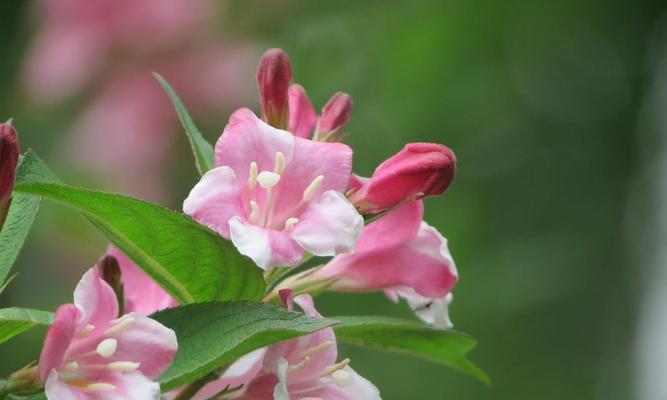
{"x": 419, "y": 170}
{"x": 9, "y": 158}
{"x": 335, "y": 114}
{"x": 274, "y": 76}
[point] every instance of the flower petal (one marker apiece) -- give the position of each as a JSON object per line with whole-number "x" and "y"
{"x": 58, "y": 339}
{"x": 387, "y": 258}
{"x": 241, "y": 372}
{"x": 145, "y": 341}
{"x": 330, "y": 226}
{"x": 96, "y": 299}
{"x": 332, "y": 161}
{"x": 356, "y": 388}
{"x": 142, "y": 294}
{"x": 246, "y": 138}
{"x": 132, "y": 386}
{"x": 57, "y": 389}
{"x": 302, "y": 114}
{"x": 431, "y": 311}
{"x": 215, "y": 200}
{"x": 267, "y": 247}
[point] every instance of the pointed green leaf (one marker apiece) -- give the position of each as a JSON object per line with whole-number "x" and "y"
{"x": 14, "y": 321}
{"x": 202, "y": 149}
{"x": 190, "y": 261}
{"x": 446, "y": 347}
{"x": 211, "y": 335}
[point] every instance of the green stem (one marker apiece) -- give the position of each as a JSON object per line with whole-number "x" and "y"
{"x": 3, "y": 392}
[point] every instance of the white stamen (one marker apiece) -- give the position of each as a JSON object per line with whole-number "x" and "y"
{"x": 312, "y": 188}
{"x": 254, "y": 212}
{"x": 123, "y": 366}
{"x": 299, "y": 366}
{"x": 317, "y": 349}
{"x": 102, "y": 386}
{"x": 73, "y": 366}
{"x": 290, "y": 222}
{"x": 268, "y": 179}
{"x": 342, "y": 378}
{"x": 252, "y": 179}
{"x": 119, "y": 326}
{"x": 336, "y": 367}
{"x": 87, "y": 330}
{"x": 107, "y": 347}
{"x": 280, "y": 163}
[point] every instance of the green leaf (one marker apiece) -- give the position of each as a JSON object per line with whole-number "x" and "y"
{"x": 446, "y": 347}
{"x": 202, "y": 149}
{"x": 14, "y": 321}
{"x": 190, "y": 261}
{"x": 15, "y": 231}
{"x": 214, "y": 334}
{"x": 38, "y": 396}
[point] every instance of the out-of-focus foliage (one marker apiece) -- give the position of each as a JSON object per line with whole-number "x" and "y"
{"x": 539, "y": 100}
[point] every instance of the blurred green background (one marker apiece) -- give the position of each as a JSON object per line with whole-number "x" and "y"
{"x": 542, "y": 103}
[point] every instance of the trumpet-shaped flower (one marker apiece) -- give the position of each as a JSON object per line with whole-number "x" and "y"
{"x": 276, "y": 195}
{"x": 405, "y": 257}
{"x": 306, "y": 368}
{"x": 90, "y": 353}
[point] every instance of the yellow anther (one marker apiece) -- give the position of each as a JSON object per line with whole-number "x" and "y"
{"x": 312, "y": 188}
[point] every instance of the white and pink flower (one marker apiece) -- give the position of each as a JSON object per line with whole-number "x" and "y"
{"x": 306, "y": 368}
{"x": 91, "y": 353}
{"x": 275, "y": 195}
{"x": 404, "y": 256}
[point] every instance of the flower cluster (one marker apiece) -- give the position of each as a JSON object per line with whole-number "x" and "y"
{"x": 283, "y": 192}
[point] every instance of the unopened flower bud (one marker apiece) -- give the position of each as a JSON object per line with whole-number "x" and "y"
{"x": 419, "y": 170}
{"x": 274, "y": 76}
{"x": 9, "y": 158}
{"x": 335, "y": 115}
{"x": 110, "y": 273}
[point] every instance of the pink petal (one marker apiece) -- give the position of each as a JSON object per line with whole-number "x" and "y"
{"x": 245, "y": 139}
{"x": 142, "y": 294}
{"x": 393, "y": 229}
{"x": 292, "y": 350}
{"x": 302, "y": 114}
{"x": 431, "y": 311}
{"x": 58, "y": 338}
{"x": 311, "y": 159}
{"x": 330, "y": 226}
{"x": 359, "y": 388}
{"x": 244, "y": 370}
{"x": 147, "y": 342}
{"x": 57, "y": 389}
{"x": 216, "y": 199}
{"x": 132, "y": 386}
{"x": 386, "y": 258}
{"x": 266, "y": 247}
{"x": 96, "y": 299}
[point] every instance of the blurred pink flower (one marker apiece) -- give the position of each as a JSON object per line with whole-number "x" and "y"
{"x": 79, "y": 36}
{"x": 405, "y": 257}
{"x": 419, "y": 170}
{"x": 306, "y": 368}
{"x": 90, "y": 353}
{"x": 276, "y": 195}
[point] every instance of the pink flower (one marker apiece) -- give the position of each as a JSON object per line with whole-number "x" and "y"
{"x": 306, "y": 368}
{"x": 90, "y": 353}
{"x": 304, "y": 121}
{"x": 142, "y": 294}
{"x": 274, "y": 76}
{"x": 405, "y": 257}
{"x": 276, "y": 195}
{"x": 79, "y": 36}
{"x": 419, "y": 170}
{"x": 9, "y": 157}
